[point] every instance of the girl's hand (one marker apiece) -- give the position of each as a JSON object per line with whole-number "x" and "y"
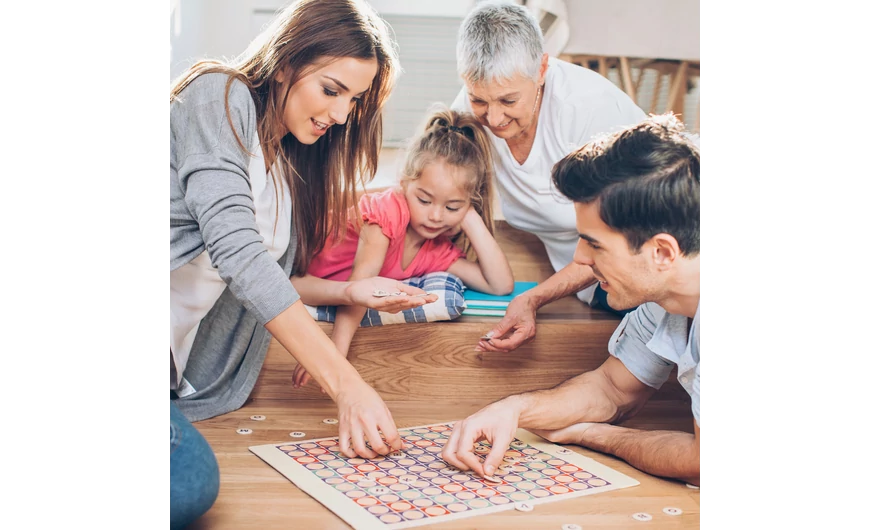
{"x": 471, "y": 220}
{"x": 361, "y": 292}
{"x": 301, "y": 377}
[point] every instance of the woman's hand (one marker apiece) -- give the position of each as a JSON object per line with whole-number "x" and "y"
{"x": 362, "y": 293}
{"x": 362, "y": 416}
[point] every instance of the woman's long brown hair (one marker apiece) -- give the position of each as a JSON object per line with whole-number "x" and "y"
{"x": 323, "y": 176}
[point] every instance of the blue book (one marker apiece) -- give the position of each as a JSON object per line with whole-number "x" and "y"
{"x": 476, "y": 299}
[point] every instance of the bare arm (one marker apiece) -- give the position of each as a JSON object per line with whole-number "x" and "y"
{"x": 608, "y": 393}
{"x": 317, "y": 291}
{"x": 361, "y": 411}
{"x": 369, "y": 260}
{"x": 492, "y": 273}
{"x": 669, "y": 454}
{"x": 518, "y": 325}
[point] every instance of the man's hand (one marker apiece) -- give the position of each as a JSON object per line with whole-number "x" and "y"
{"x": 363, "y": 415}
{"x": 497, "y": 423}
{"x": 517, "y": 327}
{"x": 361, "y": 292}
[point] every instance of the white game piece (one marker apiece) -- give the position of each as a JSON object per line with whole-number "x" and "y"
{"x": 672, "y": 511}
{"x": 258, "y": 417}
{"x": 524, "y": 507}
{"x": 564, "y": 451}
{"x": 486, "y": 337}
{"x": 330, "y": 421}
{"x": 297, "y": 434}
{"x": 692, "y": 486}
{"x": 570, "y": 526}
{"x": 379, "y": 293}
{"x": 640, "y": 516}
{"x": 244, "y": 431}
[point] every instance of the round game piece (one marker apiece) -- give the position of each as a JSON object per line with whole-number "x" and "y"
{"x": 564, "y": 451}
{"x": 330, "y": 421}
{"x": 640, "y": 516}
{"x": 244, "y": 431}
{"x": 672, "y": 511}
{"x": 258, "y": 417}
{"x": 570, "y": 526}
{"x": 524, "y": 507}
{"x": 297, "y": 434}
{"x": 692, "y": 486}
{"x": 379, "y": 293}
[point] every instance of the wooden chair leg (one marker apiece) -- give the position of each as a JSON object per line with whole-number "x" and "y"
{"x": 625, "y": 75}
{"x": 602, "y": 66}
{"x": 657, "y": 89}
{"x": 677, "y": 91}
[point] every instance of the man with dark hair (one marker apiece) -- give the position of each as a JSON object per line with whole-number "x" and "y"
{"x": 637, "y": 200}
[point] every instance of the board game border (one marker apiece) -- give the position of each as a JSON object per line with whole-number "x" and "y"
{"x": 360, "y": 519}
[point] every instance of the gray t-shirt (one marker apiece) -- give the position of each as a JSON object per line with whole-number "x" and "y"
{"x": 650, "y": 341}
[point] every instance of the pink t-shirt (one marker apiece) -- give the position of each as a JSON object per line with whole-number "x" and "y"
{"x": 389, "y": 210}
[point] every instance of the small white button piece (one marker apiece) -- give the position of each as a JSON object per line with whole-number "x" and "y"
{"x": 244, "y": 431}
{"x": 640, "y": 516}
{"x": 330, "y": 421}
{"x": 258, "y": 417}
{"x": 297, "y": 434}
{"x": 672, "y": 511}
{"x": 524, "y": 507}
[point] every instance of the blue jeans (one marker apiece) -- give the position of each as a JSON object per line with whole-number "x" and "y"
{"x": 194, "y": 478}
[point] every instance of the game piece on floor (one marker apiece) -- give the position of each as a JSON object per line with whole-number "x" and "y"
{"x": 524, "y": 507}
{"x": 375, "y": 493}
{"x": 692, "y": 486}
{"x": 672, "y": 511}
{"x": 330, "y": 421}
{"x": 244, "y": 431}
{"x": 570, "y": 526}
{"x": 297, "y": 434}
{"x": 258, "y": 417}
{"x": 640, "y": 516}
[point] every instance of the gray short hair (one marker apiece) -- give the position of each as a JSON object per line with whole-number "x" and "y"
{"x": 497, "y": 40}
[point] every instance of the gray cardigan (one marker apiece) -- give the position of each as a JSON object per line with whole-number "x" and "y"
{"x": 211, "y": 208}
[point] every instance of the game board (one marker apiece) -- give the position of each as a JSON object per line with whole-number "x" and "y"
{"x": 415, "y": 487}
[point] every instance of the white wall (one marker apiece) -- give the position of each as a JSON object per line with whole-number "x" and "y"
{"x": 637, "y": 28}
{"x": 655, "y": 29}
{"x": 223, "y": 28}
{"x": 669, "y": 29}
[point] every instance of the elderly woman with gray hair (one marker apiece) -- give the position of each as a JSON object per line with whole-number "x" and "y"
{"x": 536, "y": 110}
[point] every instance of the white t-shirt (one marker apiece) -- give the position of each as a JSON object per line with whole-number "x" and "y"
{"x": 195, "y": 287}
{"x": 578, "y": 104}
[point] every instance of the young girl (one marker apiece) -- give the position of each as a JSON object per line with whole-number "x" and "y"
{"x": 296, "y": 116}
{"x": 440, "y": 213}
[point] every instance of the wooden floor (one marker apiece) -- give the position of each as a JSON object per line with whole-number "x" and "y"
{"x": 429, "y": 373}
{"x": 254, "y": 495}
